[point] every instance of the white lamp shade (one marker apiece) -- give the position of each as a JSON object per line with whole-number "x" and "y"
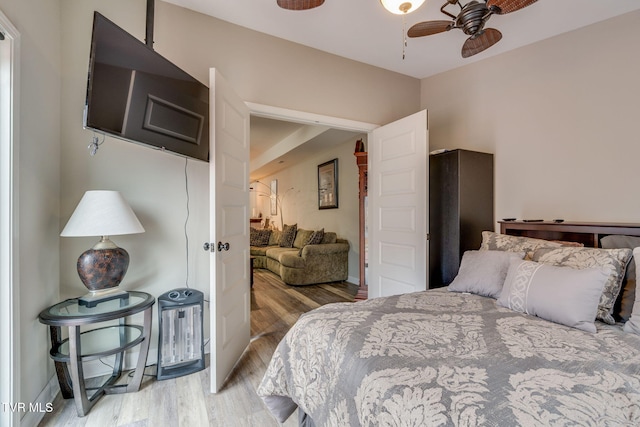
{"x": 400, "y": 7}
{"x": 102, "y": 213}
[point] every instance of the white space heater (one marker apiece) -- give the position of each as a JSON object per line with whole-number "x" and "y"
{"x": 180, "y": 344}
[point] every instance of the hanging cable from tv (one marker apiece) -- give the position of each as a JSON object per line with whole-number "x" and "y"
{"x": 186, "y": 221}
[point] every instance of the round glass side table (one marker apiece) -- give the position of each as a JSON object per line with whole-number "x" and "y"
{"x": 69, "y": 353}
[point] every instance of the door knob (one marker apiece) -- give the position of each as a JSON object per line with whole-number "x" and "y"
{"x": 223, "y": 246}
{"x": 207, "y": 246}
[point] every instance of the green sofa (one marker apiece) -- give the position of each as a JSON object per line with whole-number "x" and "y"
{"x": 302, "y": 264}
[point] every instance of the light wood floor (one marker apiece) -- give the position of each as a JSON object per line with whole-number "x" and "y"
{"x": 186, "y": 401}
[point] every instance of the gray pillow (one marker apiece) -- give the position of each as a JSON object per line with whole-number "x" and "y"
{"x": 624, "y": 302}
{"x": 613, "y": 260}
{"x": 633, "y": 324}
{"x": 559, "y": 294}
{"x": 493, "y": 241}
{"x": 483, "y": 272}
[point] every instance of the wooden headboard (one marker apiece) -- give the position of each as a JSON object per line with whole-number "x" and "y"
{"x": 587, "y": 233}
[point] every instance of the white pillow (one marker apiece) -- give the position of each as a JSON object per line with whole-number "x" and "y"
{"x": 559, "y": 294}
{"x": 483, "y": 272}
{"x": 633, "y": 324}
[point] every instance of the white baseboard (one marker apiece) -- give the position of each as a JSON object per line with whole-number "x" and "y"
{"x": 354, "y": 280}
{"x": 36, "y": 411}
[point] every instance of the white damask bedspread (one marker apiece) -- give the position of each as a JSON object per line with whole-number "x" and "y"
{"x": 439, "y": 358}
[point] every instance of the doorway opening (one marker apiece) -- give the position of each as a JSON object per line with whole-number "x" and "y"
{"x": 311, "y": 134}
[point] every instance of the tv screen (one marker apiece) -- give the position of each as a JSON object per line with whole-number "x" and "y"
{"x": 135, "y": 94}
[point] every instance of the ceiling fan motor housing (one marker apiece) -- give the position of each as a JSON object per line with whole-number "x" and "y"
{"x": 472, "y": 17}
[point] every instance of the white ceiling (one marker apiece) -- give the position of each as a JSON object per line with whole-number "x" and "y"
{"x": 364, "y": 31}
{"x": 276, "y": 144}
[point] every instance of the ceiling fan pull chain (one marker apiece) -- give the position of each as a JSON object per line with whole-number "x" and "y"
{"x": 404, "y": 34}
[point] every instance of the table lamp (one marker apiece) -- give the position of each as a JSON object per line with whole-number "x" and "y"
{"x": 101, "y": 268}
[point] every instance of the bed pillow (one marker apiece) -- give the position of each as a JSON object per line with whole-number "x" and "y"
{"x": 503, "y": 242}
{"x": 624, "y": 302}
{"x": 483, "y": 272}
{"x": 633, "y": 324}
{"x": 614, "y": 261}
{"x": 559, "y": 294}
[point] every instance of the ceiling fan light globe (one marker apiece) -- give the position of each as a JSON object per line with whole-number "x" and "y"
{"x": 401, "y": 7}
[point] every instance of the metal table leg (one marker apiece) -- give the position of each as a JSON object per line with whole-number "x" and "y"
{"x": 62, "y": 371}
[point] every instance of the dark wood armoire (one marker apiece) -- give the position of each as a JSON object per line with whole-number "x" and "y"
{"x": 460, "y": 208}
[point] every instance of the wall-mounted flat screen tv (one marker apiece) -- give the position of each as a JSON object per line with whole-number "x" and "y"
{"x": 135, "y": 94}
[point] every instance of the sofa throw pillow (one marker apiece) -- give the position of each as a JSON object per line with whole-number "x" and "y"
{"x": 559, "y": 294}
{"x": 614, "y": 261}
{"x": 274, "y": 240}
{"x": 483, "y": 272}
{"x": 329, "y": 237}
{"x": 316, "y": 237}
{"x": 633, "y": 324}
{"x": 288, "y": 236}
{"x": 503, "y": 242}
{"x": 302, "y": 236}
{"x": 259, "y": 237}
{"x": 624, "y": 303}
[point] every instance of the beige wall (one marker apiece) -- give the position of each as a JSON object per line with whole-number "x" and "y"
{"x": 38, "y": 151}
{"x": 271, "y": 71}
{"x": 561, "y": 117}
{"x": 299, "y": 186}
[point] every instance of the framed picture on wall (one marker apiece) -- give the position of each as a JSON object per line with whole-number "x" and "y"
{"x": 273, "y": 197}
{"x": 328, "y": 185}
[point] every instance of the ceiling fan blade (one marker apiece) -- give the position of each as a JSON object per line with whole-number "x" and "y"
{"x": 506, "y": 6}
{"x": 428, "y": 28}
{"x": 480, "y": 41}
{"x": 299, "y": 4}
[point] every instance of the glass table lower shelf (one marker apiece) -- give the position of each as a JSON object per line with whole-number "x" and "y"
{"x": 97, "y": 343}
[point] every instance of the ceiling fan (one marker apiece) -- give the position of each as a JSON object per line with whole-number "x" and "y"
{"x": 471, "y": 20}
{"x": 299, "y": 4}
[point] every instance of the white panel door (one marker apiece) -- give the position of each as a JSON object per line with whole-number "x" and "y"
{"x": 398, "y": 198}
{"x": 229, "y": 228}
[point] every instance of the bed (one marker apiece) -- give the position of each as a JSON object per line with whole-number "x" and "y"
{"x": 524, "y": 353}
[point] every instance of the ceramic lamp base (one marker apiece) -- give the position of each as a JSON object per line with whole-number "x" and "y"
{"x": 101, "y": 270}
